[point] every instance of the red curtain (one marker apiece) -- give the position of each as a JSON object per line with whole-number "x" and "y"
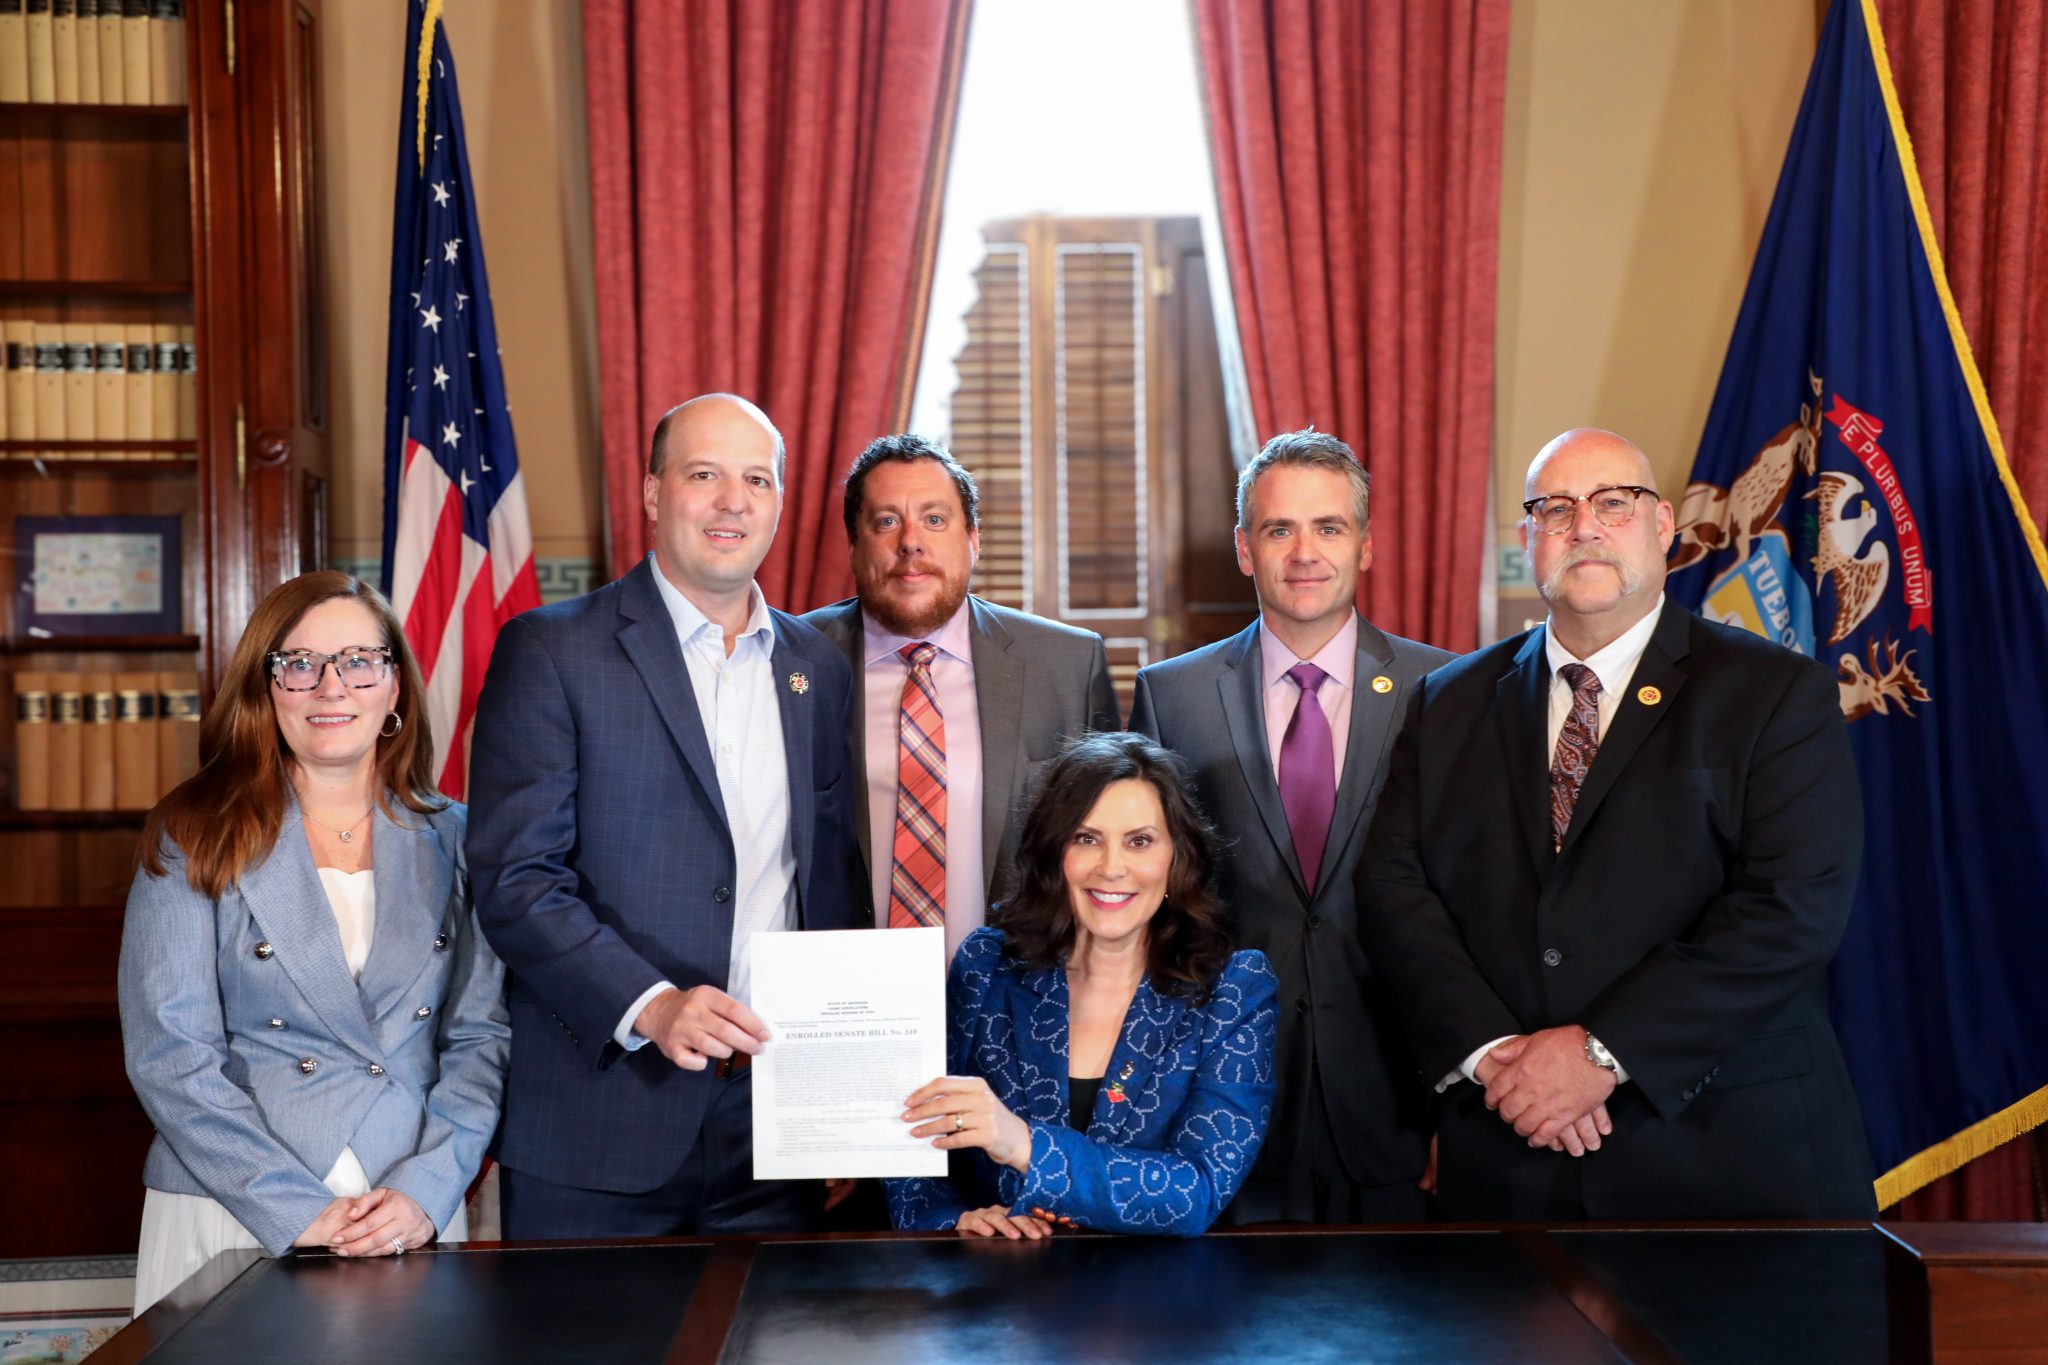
{"x": 1970, "y": 80}
{"x": 764, "y": 183}
{"x": 1357, "y": 147}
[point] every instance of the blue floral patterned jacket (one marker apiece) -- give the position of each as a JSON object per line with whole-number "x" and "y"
{"x": 1178, "y": 1121}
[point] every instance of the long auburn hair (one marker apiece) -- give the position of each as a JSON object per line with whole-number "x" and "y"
{"x": 226, "y": 817}
{"x": 1186, "y": 944}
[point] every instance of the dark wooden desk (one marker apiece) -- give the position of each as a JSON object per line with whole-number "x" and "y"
{"x": 1802, "y": 1293}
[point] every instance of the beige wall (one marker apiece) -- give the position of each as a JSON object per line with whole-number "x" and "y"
{"x": 1642, "y": 146}
{"x": 521, "y": 68}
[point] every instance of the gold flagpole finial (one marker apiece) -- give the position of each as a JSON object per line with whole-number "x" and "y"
{"x": 425, "y": 69}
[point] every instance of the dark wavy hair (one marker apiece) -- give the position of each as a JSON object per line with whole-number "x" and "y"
{"x": 1186, "y": 944}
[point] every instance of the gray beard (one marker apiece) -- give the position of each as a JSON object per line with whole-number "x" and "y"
{"x": 1631, "y": 581}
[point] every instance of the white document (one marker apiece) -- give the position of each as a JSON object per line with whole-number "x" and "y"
{"x": 857, "y": 1021}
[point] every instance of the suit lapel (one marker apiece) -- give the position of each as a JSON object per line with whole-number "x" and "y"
{"x": 799, "y": 709}
{"x": 1151, "y": 1028}
{"x": 412, "y": 893}
{"x": 1000, "y": 683}
{"x": 841, "y": 624}
{"x": 1244, "y": 712}
{"x": 1633, "y": 720}
{"x": 1522, "y": 697}
{"x": 649, "y": 639}
{"x": 288, "y": 903}
{"x": 1372, "y": 723}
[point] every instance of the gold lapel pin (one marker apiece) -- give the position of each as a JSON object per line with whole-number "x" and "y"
{"x": 1649, "y": 696}
{"x": 799, "y": 684}
{"x": 1383, "y": 684}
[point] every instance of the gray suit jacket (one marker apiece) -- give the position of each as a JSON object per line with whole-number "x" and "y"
{"x": 1037, "y": 683}
{"x": 218, "y": 1036}
{"x": 1206, "y": 705}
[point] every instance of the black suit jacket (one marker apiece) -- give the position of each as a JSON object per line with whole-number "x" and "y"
{"x": 1037, "y": 684}
{"x": 1208, "y": 707}
{"x": 1687, "y": 922}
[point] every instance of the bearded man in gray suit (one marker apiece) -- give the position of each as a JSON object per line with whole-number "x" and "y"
{"x": 958, "y": 703}
{"x": 1287, "y": 726}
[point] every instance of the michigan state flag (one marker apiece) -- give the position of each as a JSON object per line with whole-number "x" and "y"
{"x": 1852, "y": 500}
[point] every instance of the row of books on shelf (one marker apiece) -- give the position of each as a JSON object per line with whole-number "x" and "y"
{"x": 103, "y": 741}
{"x": 92, "y": 51}
{"x": 84, "y": 381}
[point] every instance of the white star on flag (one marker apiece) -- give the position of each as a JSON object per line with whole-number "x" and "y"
{"x": 440, "y": 378}
{"x": 430, "y": 318}
{"x": 450, "y": 436}
{"x": 448, "y": 247}
{"x": 440, "y": 195}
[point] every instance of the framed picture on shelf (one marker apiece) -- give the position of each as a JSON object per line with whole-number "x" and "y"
{"x": 90, "y": 576}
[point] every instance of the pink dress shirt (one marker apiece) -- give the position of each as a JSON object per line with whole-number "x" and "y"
{"x": 953, "y": 676}
{"x": 1338, "y": 658}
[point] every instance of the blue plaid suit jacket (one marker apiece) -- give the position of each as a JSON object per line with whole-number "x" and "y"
{"x": 603, "y": 864}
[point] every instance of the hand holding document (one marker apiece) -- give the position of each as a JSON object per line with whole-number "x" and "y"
{"x": 857, "y": 1019}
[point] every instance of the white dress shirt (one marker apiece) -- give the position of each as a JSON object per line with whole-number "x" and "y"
{"x": 742, "y": 716}
{"x": 1281, "y": 694}
{"x": 953, "y": 679}
{"x": 1615, "y": 665}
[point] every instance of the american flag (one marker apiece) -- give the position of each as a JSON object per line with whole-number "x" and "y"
{"x": 458, "y": 550}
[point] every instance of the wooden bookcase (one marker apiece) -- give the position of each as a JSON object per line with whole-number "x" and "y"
{"x": 205, "y": 215}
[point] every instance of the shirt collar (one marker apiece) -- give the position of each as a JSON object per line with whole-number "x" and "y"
{"x": 1614, "y": 663}
{"x": 954, "y": 638}
{"x": 690, "y": 622}
{"x": 1338, "y": 658}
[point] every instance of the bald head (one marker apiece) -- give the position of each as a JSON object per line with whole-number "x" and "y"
{"x": 706, "y": 417}
{"x": 1589, "y": 441}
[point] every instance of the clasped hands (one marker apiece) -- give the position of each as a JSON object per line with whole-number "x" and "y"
{"x": 369, "y": 1225}
{"x": 1542, "y": 1084}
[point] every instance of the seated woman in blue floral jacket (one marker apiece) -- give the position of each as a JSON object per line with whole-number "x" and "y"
{"x": 1111, "y": 1057}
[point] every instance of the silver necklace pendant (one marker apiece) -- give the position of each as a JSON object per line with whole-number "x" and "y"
{"x": 347, "y": 835}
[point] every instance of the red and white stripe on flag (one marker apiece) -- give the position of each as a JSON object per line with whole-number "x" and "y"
{"x": 453, "y": 592}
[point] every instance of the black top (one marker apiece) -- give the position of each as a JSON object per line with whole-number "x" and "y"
{"x": 1081, "y": 1092}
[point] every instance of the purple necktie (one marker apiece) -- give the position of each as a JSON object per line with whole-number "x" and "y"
{"x": 1308, "y": 773}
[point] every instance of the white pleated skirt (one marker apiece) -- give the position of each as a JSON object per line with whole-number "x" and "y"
{"x": 182, "y": 1232}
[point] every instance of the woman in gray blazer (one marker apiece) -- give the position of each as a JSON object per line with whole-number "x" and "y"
{"x": 311, "y": 1018}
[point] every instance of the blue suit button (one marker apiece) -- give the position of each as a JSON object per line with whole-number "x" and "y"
{"x": 264, "y": 952}
{"x": 721, "y": 894}
{"x": 374, "y": 1069}
{"x": 422, "y": 1012}
{"x": 307, "y": 1066}
{"x": 274, "y": 1023}
{"x": 1552, "y": 957}
{"x": 440, "y": 943}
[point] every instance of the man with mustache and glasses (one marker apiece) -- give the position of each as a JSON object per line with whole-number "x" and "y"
{"x": 1612, "y": 862}
{"x": 958, "y": 703}
{"x": 1287, "y": 725}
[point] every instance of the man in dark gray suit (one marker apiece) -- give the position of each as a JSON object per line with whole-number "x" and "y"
{"x": 1291, "y": 787}
{"x": 958, "y": 702}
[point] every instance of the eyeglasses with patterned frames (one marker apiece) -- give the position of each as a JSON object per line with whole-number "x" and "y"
{"x": 300, "y": 670}
{"x": 1615, "y": 505}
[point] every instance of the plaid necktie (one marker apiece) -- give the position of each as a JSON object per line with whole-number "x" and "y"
{"x": 917, "y": 878}
{"x": 1577, "y": 745}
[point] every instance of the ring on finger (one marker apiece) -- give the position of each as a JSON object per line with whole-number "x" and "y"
{"x": 398, "y": 1246}
{"x": 959, "y": 1123}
